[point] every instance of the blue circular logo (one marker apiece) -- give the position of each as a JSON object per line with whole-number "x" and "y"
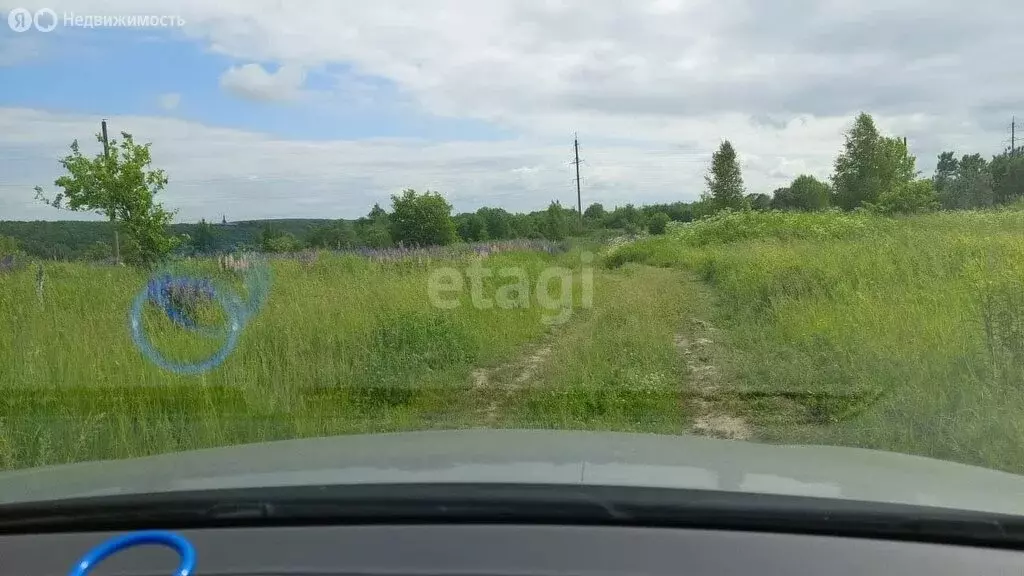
{"x": 179, "y": 298}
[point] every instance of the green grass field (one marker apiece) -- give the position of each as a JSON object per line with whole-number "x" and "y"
{"x": 850, "y": 329}
{"x": 897, "y": 334}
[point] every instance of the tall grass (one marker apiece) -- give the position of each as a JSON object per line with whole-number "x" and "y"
{"x": 910, "y": 327}
{"x": 343, "y": 344}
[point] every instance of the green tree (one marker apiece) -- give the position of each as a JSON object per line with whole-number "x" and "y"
{"x": 627, "y": 218}
{"x": 1007, "y": 177}
{"x": 869, "y": 165}
{"x": 909, "y": 198}
{"x": 97, "y": 251}
{"x": 724, "y": 180}
{"x": 274, "y": 240}
{"x": 204, "y": 238}
{"x": 594, "y": 212}
{"x": 376, "y": 235}
{"x": 945, "y": 173}
{"x": 807, "y": 193}
{"x": 557, "y": 222}
{"x": 972, "y": 186}
{"x": 759, "y": 202}
{"x": 782, "y": 199}
{"x": 284, "y": 242}
{"x": 121, "y": 186}
{"x": 377, "y": 213}
{"x": 472, "y": 227}
{"x": 657, "y": 223}
{"x": 422, "y": 219}
{"x": 499, "y": 222}
{"x": 856, "y": 178}
{"x": 338, "y": 235}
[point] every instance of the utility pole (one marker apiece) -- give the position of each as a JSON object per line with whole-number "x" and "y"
{"x": 1013, "y": 136}
{"x": 110, "y": 209}
{"x": 579, "y": 197}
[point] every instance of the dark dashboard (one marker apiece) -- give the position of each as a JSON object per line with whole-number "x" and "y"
{"x": 504, "y": 530}
{"x": 512, "y": 550}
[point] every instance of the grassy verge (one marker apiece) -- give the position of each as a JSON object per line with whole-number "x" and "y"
{"x": 897, "y": 334}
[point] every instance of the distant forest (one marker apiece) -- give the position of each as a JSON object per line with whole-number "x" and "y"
{"x": 91, "y": 240}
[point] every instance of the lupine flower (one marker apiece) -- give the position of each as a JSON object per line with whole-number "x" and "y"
{"x": 180, "y": 297}
{"x": 8, "y": 263}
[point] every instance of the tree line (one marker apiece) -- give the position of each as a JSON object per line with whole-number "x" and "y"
{"x": 872, "y": 171}
{"x": 878, "y": 173}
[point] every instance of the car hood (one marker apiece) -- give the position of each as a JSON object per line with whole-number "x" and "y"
{"x": 538, "y": 457}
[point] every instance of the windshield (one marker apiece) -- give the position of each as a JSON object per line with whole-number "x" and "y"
{"x": 226, "y": 223}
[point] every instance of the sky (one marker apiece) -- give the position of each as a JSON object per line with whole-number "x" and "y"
{"x": 320, "y": 108}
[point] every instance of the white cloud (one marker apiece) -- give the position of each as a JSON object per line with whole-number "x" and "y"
{"x": 251, "y": 175}
{"x": 170, "y": 101}
{"x": 664, "y": 80}
{"x": 252, "y": 82}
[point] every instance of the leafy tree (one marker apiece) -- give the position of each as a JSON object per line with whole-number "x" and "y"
{"x": 472, "y": 227}
{"x": 945, "y": 172}
{"x": 869, "y": 165}
{"x": 806, "y": 193}
{"x": 909, "y": 198}
{"x": 121, "y": 186}
{"x": 376, "y": 235}
{"x": 971, "y": 187}
{"x": 275, "y": 240}
{"x": 422, "y": 219}
{"x": 556, "y": 222}
{"x": 284, "y": 242}
{"x": 782, "y": 199}
{"x": 204, "y": 238}
{"x": 1007, "y": 172}
{"x": 657, "y": 223}
{"x": 626, "y": 217}
{"x": 759, "y": 202}
{"x": 896, "y": 166}
{"x": 704, "y": 207}
{"x": 376, "y": 213}
{"x": 724, "y": 180}
{"x": 594, "y": 212}
{"x": 338, "y": 235}
{"x": 856, "y": 179}
{"x": 97, "y": 251}
{"x": 676, "y": 211}
{"x": 499, "y": 223}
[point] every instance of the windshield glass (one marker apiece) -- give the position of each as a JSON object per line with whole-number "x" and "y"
{"x": 233, "y": 222}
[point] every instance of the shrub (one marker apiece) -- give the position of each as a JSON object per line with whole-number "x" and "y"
{"x": 909, "y": 198}
{"x": 658, "y": 223}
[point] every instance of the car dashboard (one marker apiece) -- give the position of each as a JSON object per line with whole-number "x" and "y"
{"x": 441, "y": 549}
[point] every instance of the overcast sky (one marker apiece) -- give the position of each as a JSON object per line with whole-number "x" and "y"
{"x": 321, "y": 108}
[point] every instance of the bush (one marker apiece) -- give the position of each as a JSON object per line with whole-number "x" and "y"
{"x": 422, "y": 219}
{"x": 910, "y": 198}
{"x": 658, "y": 222}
